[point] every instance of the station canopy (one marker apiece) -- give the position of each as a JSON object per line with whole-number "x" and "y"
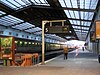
{"x": 27, "y": 15}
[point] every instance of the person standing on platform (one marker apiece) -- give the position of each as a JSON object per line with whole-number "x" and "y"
{"x": 83, "y": 48}
{"x": 65, "y": 52}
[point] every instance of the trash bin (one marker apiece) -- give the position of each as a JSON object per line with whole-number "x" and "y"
{"x": 99, "y": 58}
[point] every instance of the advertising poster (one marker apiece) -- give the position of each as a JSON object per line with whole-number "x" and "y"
{"x": 97, "y": 29}
{"x": 6, "y": 48}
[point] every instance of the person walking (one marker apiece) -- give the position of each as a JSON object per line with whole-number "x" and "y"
{"x": 65, "y": 52}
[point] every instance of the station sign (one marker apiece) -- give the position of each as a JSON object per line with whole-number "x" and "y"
{"x": 57, "y": 29}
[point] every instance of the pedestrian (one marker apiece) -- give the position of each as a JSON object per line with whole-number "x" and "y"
{"x": 77, "y": 48}
{"x": 83, "y": 48}
{"x": 65, "y": 52}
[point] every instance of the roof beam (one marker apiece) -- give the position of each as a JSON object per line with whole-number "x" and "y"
{"x": 28, "y": 28}
{"x": 78, "y": 9}
{"x": 5, "y": 8}
{"x": 81, "y": 29}
{"x": 82, "y": 32}
{"x": 16, "y": 24}
{"x": 80, "y": 19}
{"x": 79, "y": 25}
{"x": 37, "y": 31}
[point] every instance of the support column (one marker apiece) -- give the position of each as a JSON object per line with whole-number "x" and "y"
{"x": 62, "y": 23}
{"x": 43, "y": 44}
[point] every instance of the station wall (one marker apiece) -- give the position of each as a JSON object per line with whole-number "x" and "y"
{"x": 94, "y": 46}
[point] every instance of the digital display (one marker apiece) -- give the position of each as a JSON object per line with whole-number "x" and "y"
{"x": 57, "y": 29}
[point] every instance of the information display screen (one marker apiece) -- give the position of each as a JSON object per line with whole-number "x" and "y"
{"x": 57, "y": 29}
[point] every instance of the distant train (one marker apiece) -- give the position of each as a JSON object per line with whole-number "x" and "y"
{"x": 32, "y": 46}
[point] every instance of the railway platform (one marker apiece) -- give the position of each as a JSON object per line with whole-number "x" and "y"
{"x": 85, "y": 63}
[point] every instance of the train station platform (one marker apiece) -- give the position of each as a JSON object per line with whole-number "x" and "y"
{"x": 85, "y": 63}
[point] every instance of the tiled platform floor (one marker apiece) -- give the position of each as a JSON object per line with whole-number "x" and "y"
{"x": 84, "y": 64}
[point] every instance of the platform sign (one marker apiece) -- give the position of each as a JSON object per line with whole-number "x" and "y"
{"x": 6, "y": 44}
{"x": 97, "y": 29}
{"x": 57, "y": 29}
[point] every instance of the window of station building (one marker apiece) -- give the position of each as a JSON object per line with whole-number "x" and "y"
{"x": 31, "y": 37}
{"x": 10, "y": 33}
{"x": 27, "y": 36}
{"x": 22, "y": 35}
{"x": 16, "y": 34}
{"x": 1, "y": 32}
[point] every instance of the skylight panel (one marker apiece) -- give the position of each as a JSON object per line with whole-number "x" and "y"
{"x": 34, "y": 29}
{"x": 82, "y": 15}
{"x": 74, "y": 3}
{"x": 65, "y": 2}
{"x": 62, "y": 3}
{"x": 91, "y": 14}
{"x": 68, "y": 3}
{"x": 10, "y": 20}
{"x": 2, "y": 13}
{"x": 18, "y": 4}
{"x": 76, "y": 14}
{"x": 85, "y": 15}
{"x": 71, "y": 21}
{"x": 82, "y": 3}
{"x": 74, "y": 26}
{"x": 15, "y": 18}
{"x": 94, "y": 4}
{"x": 87, "y": 4}
{"x": 72, "y": 14}
{"x": 86, "y": 28}
{"x": 9, "y": 4}
{"x": 23, "y": 26}
{"x": 38, "y": 33}
{"x": 78, "y": 23}
{"x": 77, "y": 30}
{"x": 85, "y": 31}
{"x": 67, "y": 13}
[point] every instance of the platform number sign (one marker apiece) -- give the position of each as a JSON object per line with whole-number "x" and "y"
{"x": 46, "y": 30}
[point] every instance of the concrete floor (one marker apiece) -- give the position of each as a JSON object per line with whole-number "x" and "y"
{"x": 84, "y": 64}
